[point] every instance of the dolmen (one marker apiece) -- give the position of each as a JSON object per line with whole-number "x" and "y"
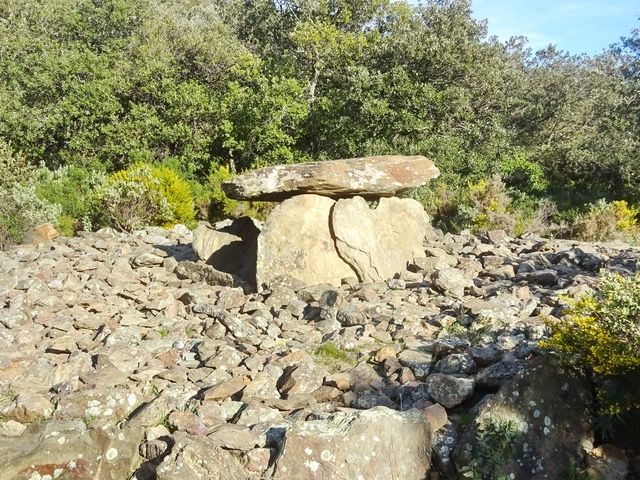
{"x": 337, "y": 220}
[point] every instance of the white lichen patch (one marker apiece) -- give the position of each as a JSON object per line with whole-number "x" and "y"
{"x": 327, "y": 456}
{"x": 111, "y": 454}
{"x": 308, "y": 451}
{"x": 536, "y": 413}
{"x": 312, "y": 465}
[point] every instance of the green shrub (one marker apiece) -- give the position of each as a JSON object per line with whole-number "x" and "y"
{"x": 21, "y": 208}
{"x": 607, "y": 221}
{"x": 496, "y": 446}
{"x": 158, "y": 196}
{"x": 522, "y": 174}
{"x": 74, "y": 189}
{"x": 21, "y": 211}
{"x": 479, "y": 205}
{"x": 14, "y": 168}
{"x": 220, "y": 206}
{"x": 130, "y": 205}
{"x": 601, "y": 331}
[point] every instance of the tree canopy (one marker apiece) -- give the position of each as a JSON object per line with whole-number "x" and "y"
{"x": 198, "y": 84}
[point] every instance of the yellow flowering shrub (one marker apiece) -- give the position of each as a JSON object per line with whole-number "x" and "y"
{"x": 166, "y": 188}
{"x": 626, "y": 216}
{"x": 601, "y": 331}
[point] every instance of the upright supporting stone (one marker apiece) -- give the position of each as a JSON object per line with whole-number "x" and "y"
{"x": 296, "y": 242}
{"x": 379, "y": 242}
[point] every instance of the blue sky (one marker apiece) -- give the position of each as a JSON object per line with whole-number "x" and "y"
{"x": 577, "y": 26}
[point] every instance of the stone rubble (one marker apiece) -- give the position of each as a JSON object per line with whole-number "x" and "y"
{"x": 116, "y": 362}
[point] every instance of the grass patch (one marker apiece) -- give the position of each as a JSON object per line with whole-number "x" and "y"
{"x": 329, "y": 355}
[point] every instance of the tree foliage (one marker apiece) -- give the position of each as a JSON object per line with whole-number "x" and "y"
{"x": 202, "y": 84}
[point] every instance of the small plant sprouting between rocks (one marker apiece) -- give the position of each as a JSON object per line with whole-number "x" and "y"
{"x": 332, "y": 356}
{"x": 496, "y": 445}
{"x": 163, "y": 332}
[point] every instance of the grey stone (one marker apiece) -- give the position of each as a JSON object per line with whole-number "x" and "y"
{"x": 296, "y": 241}
{"x": 380, "y": 242}
{"x": 360, "y": 444}
{"x": 448, "y": 390}
{"x": 381, "y": 176}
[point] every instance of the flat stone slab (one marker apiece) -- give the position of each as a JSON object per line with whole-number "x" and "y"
{"x": 369, "y": 177}
{"x": 374, "y": 444}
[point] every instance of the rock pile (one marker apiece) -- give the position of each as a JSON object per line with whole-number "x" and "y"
{"x": 316, "y": 239}
{"x": 124, "y": 356}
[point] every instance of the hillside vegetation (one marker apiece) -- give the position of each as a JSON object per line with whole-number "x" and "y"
{"x": 527, "y": 141}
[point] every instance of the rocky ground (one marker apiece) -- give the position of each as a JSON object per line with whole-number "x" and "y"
{"x": 122, "y": 356}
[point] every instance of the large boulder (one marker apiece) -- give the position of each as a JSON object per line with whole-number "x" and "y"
{"x": 376, "y": 444}
{"x": 545, "y": 411}
{"x": 380, "y": 242}
{"x": 371, "y": 177}
{"x": 194, "y": 458}
{"x": 68, "y": 450}
{"x": 296, "y": 242}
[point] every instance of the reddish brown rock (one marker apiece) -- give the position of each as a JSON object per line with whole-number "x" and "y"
{"x": 41, "y": 233}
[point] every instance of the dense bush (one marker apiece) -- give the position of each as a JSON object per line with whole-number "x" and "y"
{"x": 487, "y": 205}
{"x": 600, "y": 331}
{"x": 205, "y": 85}
{"x": 21, "y": 208}
{"x": 73, "y": 188}
{"x": 607, "y": 221}
{"x": 221, "y": 206}
{"x": 130, "y": 205}
{"x": 145, "y": 195}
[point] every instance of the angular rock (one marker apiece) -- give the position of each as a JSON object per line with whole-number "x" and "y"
{"x": 451, "y": 281}
{"x": 376, "y": 444}
{"x": 41, "y": 233}
{"x": 203, "y": 273}
{"x": 449, "y": 391}
{"x": 380, "y": 242}
{"x": 302, "y": 378}
{"x": 68, "y": 450}
{"x": 419, "y": 362}
{"x": 373, "y": 177}
{"x": 235, "y": 437}
{"x": 296, "y": 242}
{"x": 195, "y": 458}
{"x": 231, "y": 248}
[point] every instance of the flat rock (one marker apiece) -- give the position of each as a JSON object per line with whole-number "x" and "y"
{"x": 448, "y": 390}
{"x": 376, "y": 444}
{"x": 68, "y": 450}
{"x": 372, "y": 177}
{"x": 296, "y": 242}
{"x": 380, "y": 242}
{"x": 195, "y": 458}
